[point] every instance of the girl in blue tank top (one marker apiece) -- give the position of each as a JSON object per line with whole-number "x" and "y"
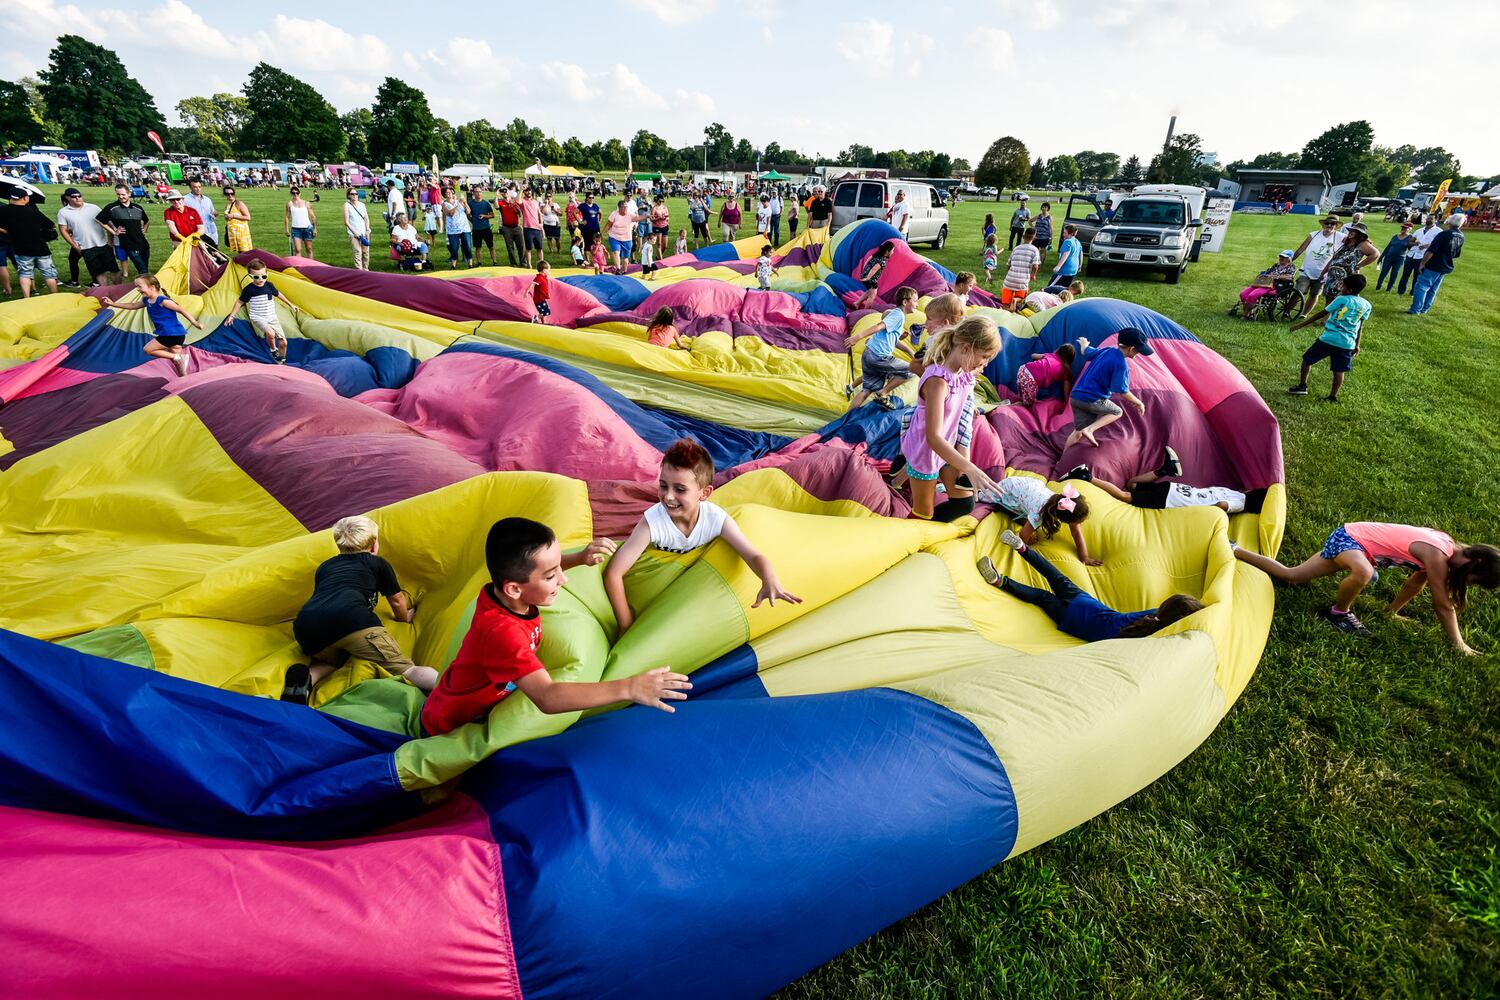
{"x": 170, "y": 342}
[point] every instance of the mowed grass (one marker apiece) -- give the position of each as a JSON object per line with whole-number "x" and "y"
{"x": 1337, "y": 834}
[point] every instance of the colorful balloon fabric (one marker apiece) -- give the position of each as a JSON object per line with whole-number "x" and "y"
{"x": 171, "y": 828}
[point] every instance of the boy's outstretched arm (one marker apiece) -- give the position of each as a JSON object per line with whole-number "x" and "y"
{"x": 770, "y": 586}
{"x": 614, "y": 574}
{"x": 654, "y": 689}
{"x": 595, "y": 553}
{"x": 401, "y": 607}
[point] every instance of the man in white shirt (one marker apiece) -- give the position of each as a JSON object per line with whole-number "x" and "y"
{"x": 776, "y": 207}
{"x": 395, "y": 204}
{"x": 900, "y": 214}
{"x": 1421, "y": 242}
{"x": 78, "y": 222}
{"x": 1320, "y": 247}
{"x": 204, "y": 206}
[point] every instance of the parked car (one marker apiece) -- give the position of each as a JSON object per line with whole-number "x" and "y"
{"x": 871, "y": 198}
{"x": 1157, "y": 228}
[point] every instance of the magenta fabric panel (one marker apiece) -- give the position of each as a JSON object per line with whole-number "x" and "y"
{"x": 1196, "y": 369}
{"x": 485, "y": 408}
{"x": 321, "y": 456}
{"x": 1257, "y": 454}
{"x": 417, "y": 910}
{"x": 570, "y": 305}
{"x": 37, "y": 422}
{"x": 44, "y": 374}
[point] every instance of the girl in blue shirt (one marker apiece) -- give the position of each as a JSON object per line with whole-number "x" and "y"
{"x": 170, "y": 343}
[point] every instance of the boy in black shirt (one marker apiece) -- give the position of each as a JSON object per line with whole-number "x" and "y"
{"x": 339, "y": 620}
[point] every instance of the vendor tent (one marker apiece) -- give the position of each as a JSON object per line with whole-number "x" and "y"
{"x": 772, "y": 175}
{"x": 564, "y": 171}
{"x": 645, "y": 177}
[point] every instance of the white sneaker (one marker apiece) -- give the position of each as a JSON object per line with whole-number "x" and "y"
{"x": 181, "y": 362}
{"x": 1010, "y": 538}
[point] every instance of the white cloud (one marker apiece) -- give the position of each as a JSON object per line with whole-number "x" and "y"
{"x": 676, "y": 11}
{"x": 995, "y": 47}
{"x": 869, "y": 43}
{"x": 693, "y": 100}
{"x": 626, "y": 86}
{"x": 1033, "y": 15}
{"x": 571, "y": 79}
{"x": 300, "y": 43}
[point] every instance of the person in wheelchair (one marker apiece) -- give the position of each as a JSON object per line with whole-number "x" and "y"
{"x": 1269, "y": 290}
{"x": 407, "y": 248}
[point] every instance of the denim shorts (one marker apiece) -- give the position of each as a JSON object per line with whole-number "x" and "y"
{"x": 619, "y": 246}
{"x": 28, "y": 267}
{"x": 303, "y": 233}
{"x": 1340, "y": 542}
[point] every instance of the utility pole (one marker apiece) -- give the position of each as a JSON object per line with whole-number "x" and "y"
{"x": 1171, "y": 127}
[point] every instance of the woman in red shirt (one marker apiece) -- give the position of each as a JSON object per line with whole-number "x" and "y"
{"x": 182, "y": 220}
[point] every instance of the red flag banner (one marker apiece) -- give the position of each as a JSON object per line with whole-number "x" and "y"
{"x": 156, "y": 139}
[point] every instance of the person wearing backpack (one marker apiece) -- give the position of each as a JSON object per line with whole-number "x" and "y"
{"x": 29, "y": 232}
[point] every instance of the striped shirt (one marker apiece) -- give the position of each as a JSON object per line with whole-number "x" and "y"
{"x": 1022, "y": 260}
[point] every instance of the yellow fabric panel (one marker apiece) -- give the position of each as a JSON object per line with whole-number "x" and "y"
{"x": 91, "y": 540}
{"x": 31, "y": 327}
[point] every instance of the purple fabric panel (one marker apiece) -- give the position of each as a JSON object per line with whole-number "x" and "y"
{"x": 321, "y": 456}
{"x": 791, "y": 338}
{"x": 1032, "y": 438}
{"x": 979, "y": 297}
{"x": 37, "y": 422}
{"x": 800, "y": 257}
{"x": 1251, "y": 437}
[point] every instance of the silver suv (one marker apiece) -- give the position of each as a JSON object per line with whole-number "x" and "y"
{"x": 1155, "y": 232}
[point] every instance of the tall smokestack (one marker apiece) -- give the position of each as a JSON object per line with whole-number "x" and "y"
{"x": 1171, "y": 127}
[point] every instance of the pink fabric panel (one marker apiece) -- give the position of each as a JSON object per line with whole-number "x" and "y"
{"x": 42, "y": 375}
{"x": 486, "y": 409}
{"x": 780, "y": 309}
{"x": 696, "y": 297}
{"x": 569, "y": 304}
{"x": 206, "y": 367}
{"x": 1202, "y": 374}
{"x": 414, "y": 911}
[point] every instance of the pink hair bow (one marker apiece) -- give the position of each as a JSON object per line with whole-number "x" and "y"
{"x": 1069, "y": 495}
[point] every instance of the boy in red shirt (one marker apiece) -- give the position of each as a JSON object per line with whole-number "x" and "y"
{"x": 498, "y": 655}
{"x": 541, "y": 291}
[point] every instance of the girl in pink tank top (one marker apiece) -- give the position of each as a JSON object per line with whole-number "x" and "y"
{"x": 1361, "y": 548}
{"x": 929, "y": 444}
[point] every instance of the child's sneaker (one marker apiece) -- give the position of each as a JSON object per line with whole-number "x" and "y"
{"x": 1010, "y": 538}
{"x": 180, "y": 362}
{"x": 849, "y": 390}
{"x": 298, "y": 686}
{"x": 1300, "y": 389}
{"x": 1079, "y": 472}
{"x": 1171, "y": 465}
{"x": 1346, "y": 621}
{"x": 992, "y": 576}
{"x": 886, "y": 401}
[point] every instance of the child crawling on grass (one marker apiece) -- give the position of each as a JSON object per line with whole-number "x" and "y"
{"x": 498, "y": 654}
{"x": 1077, "y": 613}
{"x": 683, "y": 520}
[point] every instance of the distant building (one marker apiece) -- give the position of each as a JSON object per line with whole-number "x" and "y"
{"x": 1261, "y": 190}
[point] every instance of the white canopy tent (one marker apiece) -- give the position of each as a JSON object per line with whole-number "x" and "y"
{"x": 468, "y": 171}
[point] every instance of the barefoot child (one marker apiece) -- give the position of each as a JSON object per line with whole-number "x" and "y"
{"x": 1108, "y": 374}
{"x": 541, "y": 292}
{"x": 763, "y": 268}
{"x": 870, "y": 276}
{"x": 1082, "y": 615}
{"x": 599, "y": 257}
{"x": 990, "y": 259}
{"x": 1044, "y": 511}
{"x": 498, "y": 654}
{"x": 259, "y": 300}
{"x": 171, "y": 339}
{"x": 1339, "y": 342}
{"x": 1361, "y": 548}
{"x": 682, "y": 521}
{"x": 943, "y": 397}
{"x": 880, "y": 370}
{"x": 339, "y": 620}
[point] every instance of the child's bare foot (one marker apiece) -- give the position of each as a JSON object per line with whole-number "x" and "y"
{"x": 180, "y": 361}
{"x": 425, "y": 678}
{"x": 1088, "y": 436}
{"x": 1072, "y": 439}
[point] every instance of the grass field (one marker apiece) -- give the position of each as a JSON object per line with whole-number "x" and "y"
{"x": 1339, "y": 834}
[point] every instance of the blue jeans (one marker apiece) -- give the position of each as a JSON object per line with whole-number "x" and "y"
{"x": 1389, "y": 267}
{"x": 460, "y": 242}
{"x": 776, "y": 229}
{"x": 1425, "y": 290}
{"x": 140, "y": 258}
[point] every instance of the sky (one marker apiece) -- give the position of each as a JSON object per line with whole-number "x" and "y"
{"x": 1248, "y": 76}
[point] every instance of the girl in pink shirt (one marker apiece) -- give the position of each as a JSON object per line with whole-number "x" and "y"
{"x": 1361, "y": 548}
{"x": 1047, "y": 370}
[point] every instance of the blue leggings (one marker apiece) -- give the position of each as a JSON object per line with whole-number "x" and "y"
{"x": 1055, "y": 601}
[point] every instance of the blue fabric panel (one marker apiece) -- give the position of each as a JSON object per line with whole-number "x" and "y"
{"x": 842, "y": 284}
{"x": 949, "y": 276}
{"x": 392, "y": 366}
{"x": 615, "y": 292}
{"x": 877, "y": 428}
{"x": 99, "y": 347}
{"x": 859, "y": 241}
{"x": 823, "y": 301}
{"x": 735, "y": 671}
{"x": 717, "y": 252}
{"x": 1095, "y": 318}
{"x": 85, "y": 735}
{"x": 729, "y": 446}
{"x": 677, "y": 845}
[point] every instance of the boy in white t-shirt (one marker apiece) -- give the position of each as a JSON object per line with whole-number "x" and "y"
{"x": 259, "y": 299}
{"x": 685, "y": 520}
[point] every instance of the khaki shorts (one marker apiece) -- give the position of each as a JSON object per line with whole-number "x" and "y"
{"x": 373, "y": 644}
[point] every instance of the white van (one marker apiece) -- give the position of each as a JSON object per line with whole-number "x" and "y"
{"x": 871, "y": 198}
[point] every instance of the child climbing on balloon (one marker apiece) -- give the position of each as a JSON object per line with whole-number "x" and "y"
{"x": 662, "y": 332}
{"x": 764, "y": 268}
{"x": 1148, "y": 491}
{"x": 1362, "y": 548}
{"x": 259, "y": 301}
{"x": 339, "y": 621}
{"x": 498, "y": 654}
{"x": 880, "y": 370}
{"x": 944, "y": 394}
{"x": 873, "y": 269}
{"x": 942, "y": 312}
{"x": 1107, "y": 375}
{"x": 170, "y": 342}
{"x": 682, "y": 520}
{"x": 1043, "y": 511}
{"x": 541, "y": 293}
{"x": 1046, "y": 370}
{"x": 1076, "y": 612}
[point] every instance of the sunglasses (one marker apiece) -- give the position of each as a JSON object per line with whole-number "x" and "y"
{"x": 259, "y": 277}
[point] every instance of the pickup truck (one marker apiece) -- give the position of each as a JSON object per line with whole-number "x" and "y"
{"x": 1155, "y": 231}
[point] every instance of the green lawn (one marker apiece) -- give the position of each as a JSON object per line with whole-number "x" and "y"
{"x": 1337, "y": 835}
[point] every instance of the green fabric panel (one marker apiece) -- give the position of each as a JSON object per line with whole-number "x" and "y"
{"x": 659, "y": 639}
{"x": 114, "y": 642}
{"x": 380, "y": 704}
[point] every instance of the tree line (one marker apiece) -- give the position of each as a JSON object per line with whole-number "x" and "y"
{"x": 85, "y": 98}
